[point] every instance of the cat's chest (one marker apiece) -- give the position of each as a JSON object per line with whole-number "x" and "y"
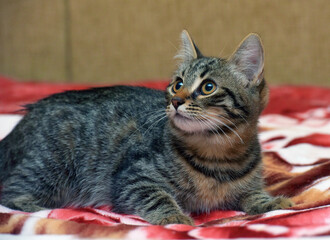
{"x": 207, "y": 194}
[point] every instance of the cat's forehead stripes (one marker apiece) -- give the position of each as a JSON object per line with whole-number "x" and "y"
{"x": 197, "y": 72}
{"x": 204, "y": 72}
{"x": 183, "y": 72}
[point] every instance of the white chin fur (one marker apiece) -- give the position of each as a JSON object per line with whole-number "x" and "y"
{"x": 186, "y": 123}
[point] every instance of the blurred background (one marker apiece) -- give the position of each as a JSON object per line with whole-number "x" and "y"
{"x": 123, "y": 41}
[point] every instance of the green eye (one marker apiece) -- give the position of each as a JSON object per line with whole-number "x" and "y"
{"x": 208, "y": 88}
{"x": 177, "y": 85}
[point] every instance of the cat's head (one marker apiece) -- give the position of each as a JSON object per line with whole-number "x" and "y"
{"x": 210, "y": 93}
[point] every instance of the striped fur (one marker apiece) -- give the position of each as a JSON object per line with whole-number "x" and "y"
{"x": 193, "y": 148}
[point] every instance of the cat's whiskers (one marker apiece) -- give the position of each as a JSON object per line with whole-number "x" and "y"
{"x": 209, "y": 126}
{"x": 219, "y": 115}
{"x": 224, "y": 133}
{"x": 195, "y": 114}
{"x": 208, "y": 121}
{"x": 219, "y": 121}
{"x": 152, "y": 116}
{"x": 215, "y": 132}
{"x": 149, "y": 113}
{"x": 243, "y": 119}
{"x": 161, "y": 117}
{"x": 203, "y": 119}
{"x": 151, "y": 119}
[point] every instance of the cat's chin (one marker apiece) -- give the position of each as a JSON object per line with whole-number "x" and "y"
{"x": 188, "y": 124}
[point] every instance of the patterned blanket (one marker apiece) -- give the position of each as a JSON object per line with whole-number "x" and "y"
{"x": 295, "y": 135}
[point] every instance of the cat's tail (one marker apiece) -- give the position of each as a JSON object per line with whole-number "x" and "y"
{"x": 3, "y": 163}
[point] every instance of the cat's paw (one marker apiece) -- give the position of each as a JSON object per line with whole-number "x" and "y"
{"x": 275, "y": 204}
{"x": 177, "y": 219}
{"x": 279, "y": 203}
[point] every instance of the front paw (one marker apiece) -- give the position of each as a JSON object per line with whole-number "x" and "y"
{"x": 177, "y": 219}
{"x": 280, "y": 203}
{"x": 274, "y": 204}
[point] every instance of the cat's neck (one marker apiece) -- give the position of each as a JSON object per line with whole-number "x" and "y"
{"x": 218, "y": 146}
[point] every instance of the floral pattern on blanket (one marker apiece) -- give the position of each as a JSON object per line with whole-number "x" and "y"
{"x": 296, "y": 143}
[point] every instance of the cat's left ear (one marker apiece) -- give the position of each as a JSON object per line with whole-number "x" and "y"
{"x": 249, "y": 58}
{"x": 189, "y": 50}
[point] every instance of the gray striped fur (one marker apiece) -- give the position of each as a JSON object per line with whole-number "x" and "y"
{"x": 130, "y": 148}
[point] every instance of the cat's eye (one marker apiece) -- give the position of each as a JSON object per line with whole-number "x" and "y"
{"x": 177, "y": 85}
{"x": 208, "y": 88}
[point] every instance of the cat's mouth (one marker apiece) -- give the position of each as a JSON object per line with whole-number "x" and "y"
{"x": 182, "y": 117}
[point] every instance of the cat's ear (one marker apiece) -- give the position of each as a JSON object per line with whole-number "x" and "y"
{"x": 249, "y": 58}
{"x": 189, "y": 50}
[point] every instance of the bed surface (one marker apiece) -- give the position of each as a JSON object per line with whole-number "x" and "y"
{"x": 295, "y": 136}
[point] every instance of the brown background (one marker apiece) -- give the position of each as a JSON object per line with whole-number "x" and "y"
{"x": 107, "y": 41}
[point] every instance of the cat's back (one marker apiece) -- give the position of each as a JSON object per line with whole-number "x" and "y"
{"x": 91, "y": 109}
{"x": 95, "y": 98}
{"x": 88, "y": 116}
{"x": 80, "y": 124}
{"x": 85, "y": 116}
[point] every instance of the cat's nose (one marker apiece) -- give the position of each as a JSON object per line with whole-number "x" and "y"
{"x": 177, "y": 101}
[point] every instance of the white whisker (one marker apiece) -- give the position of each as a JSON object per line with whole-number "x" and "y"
{"x": 214, "y": 130}
{"x": 152, "y": 116}
{"x": 219, "y": 115}
{"x": 154, "y": 124}
{"x": 157, "y": 114}
{"x": 243, "y": 119}
{"x": 149, "y": 113}
{"x": 211, "y": 128}
{"x": 209, "y": 120}
{"x": 219, "y": 121}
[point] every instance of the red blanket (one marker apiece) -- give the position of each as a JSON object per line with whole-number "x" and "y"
{"x": 295, "y": 135}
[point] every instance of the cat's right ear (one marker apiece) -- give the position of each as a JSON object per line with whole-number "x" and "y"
{"x": 189, "y": 50}
{"x": 249, "y": 58}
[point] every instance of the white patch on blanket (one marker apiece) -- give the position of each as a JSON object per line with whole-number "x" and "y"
{"x": 313, "y": 121}
{"x": 4, "y": 209}
{"x": 274, "y": 230}
{"x": 304, "y": 154}
{"x": 315, "y": 113}
{"x": 300, "y": 169}
{"x": 138, "y": 233}
{"x": 323, "y": 184}
{"x": 123, "y": 218}
{"x": 278, "y": 212}
{"x": 29, "y": 226}
{"x": 7, "y": 123}
{"x": 314, "y": 230}
{"x": 41, "y": 214}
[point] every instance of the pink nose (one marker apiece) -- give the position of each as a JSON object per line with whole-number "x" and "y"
{"x": 177, "y": 101}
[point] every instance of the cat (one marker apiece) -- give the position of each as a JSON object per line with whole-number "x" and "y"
{"x": 158, "y": 154}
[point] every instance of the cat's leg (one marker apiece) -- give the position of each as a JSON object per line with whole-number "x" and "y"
{"x": 26, "y": 203}
{"x": 151, "y": 202}
{"x": 158, "y": 207}
{"x": 259, "y": 201}
{"x": 20, "y": 192}
{"x": 162, "y": 209}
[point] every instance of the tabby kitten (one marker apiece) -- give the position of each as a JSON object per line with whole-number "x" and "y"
{"x": 193, "y": 148}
